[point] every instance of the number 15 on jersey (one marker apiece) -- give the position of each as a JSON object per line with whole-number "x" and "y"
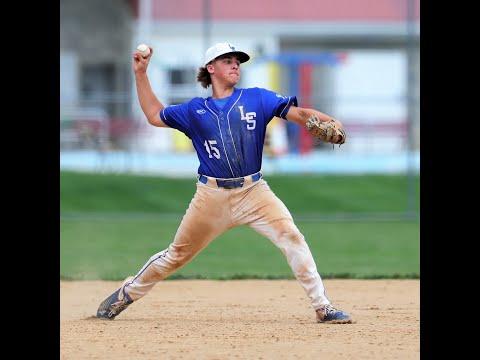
{"x": 211, "y": 148}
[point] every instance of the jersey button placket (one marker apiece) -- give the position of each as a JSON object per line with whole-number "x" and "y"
{"x": 226, "y": 137}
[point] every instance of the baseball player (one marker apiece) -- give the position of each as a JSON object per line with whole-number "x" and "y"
{"x": 227, "y": 130}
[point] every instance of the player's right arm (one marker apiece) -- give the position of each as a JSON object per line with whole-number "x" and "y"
{"x": 149, "y": 103}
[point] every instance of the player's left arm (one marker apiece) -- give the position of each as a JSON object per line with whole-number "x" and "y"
{"x": 300, "y": 116}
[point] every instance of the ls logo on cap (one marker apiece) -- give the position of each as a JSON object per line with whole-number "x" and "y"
{"x": 231, "y": 47}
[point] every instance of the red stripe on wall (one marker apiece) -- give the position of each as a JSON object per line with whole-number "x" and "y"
{"x": 305, "y": 78}
{"x": 289, "y": 10}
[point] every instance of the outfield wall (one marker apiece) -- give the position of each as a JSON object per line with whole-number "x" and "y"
{"x": 186, "y": 165}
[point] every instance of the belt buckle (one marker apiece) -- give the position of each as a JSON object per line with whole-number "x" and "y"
{"x": 231, "y": 184}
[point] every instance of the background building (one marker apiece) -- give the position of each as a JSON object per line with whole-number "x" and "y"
{"x": 357, "y": 60}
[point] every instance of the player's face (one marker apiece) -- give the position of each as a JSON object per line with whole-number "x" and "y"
{"x": 227, "y": 70}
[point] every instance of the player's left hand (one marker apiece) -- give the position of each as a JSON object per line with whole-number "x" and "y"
{"x": 329, "y": 131}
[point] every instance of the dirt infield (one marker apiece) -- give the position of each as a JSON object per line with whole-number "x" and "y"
{"x": 242, "y": 319}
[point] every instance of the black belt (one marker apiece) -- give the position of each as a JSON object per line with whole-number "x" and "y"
{"x": 231, "y": 183}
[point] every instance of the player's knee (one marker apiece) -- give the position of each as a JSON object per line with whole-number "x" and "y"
{"x": 296, "y": 237}
{"x": 290, "y": 234}
{"x": 179, "y": 256}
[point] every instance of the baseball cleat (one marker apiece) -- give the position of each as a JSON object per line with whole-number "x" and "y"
{"x": 328, "y": 314}
{"x": 115, "y": 303}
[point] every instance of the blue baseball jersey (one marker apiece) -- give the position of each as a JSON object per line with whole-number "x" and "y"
{"x": 229, "y": 140}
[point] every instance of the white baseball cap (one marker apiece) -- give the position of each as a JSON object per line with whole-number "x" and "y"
{"x": 222, "y": 49}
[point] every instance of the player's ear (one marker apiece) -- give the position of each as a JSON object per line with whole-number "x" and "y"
{"x": 210, "y": 68}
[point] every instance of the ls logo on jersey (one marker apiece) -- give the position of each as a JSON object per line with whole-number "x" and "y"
{"x": 249, "y": 117}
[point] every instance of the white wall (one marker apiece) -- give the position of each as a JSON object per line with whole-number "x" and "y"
{"x": 371, "y": 85}
{"x": 369, "y": 89}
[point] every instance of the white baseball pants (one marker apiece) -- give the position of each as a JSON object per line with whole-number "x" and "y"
{"x": 211, "y": 212}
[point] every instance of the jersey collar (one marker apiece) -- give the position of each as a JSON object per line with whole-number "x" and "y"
{"x": 228, "y": 105}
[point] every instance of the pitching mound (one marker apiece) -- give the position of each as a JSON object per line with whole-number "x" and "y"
{"x": 242, "y": 319}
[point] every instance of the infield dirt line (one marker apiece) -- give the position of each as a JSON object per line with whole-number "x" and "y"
{"x": 242, "y": 319}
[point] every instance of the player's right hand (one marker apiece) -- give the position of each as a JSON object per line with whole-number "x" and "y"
{"x": 140, "y": 63}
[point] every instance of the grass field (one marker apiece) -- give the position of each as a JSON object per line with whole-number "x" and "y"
{"x": 112, "y": 224}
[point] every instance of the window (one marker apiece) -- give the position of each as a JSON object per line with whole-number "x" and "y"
{"x": 182, "y": 76}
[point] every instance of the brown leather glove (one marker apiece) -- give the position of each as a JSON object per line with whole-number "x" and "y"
{"x": 328, "y": 131}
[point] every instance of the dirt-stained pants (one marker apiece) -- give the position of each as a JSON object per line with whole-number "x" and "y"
{"x": 214, "y": 210}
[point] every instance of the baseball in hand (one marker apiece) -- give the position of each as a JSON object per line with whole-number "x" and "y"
{"x": 144, "y": 50}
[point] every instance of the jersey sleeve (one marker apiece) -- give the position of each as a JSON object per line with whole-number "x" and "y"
{"x": 176, "y": 116}
{"x": 275, "y": 104}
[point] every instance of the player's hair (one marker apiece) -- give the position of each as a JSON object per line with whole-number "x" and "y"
{"x": 203, "y": 77}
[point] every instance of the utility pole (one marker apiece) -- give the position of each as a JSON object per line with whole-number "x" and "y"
{"x": 411, "y": 89}
{"x": 206, "y": 24}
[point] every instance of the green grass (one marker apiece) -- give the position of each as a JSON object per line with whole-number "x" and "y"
{"x": 112, "y": 224}
{"x": 302, "y": 194}
{"x": 114, "y": 249}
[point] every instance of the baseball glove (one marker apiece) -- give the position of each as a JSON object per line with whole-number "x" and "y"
{"x": 328, "y": 131}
